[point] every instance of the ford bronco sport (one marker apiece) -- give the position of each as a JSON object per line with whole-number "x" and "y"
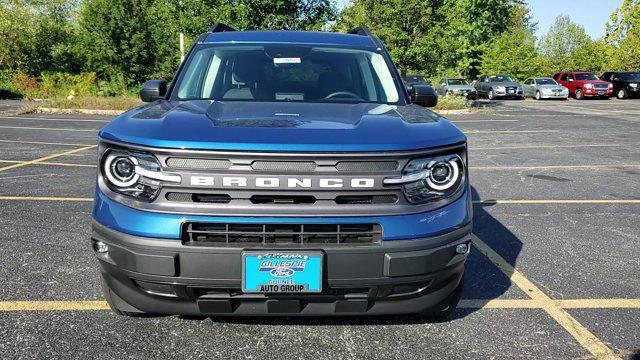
{"x": 282, "y": 173}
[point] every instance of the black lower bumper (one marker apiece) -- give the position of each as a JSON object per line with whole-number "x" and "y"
{"x": 166, "y": 277}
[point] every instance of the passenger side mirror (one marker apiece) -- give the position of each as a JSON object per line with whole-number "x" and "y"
{"x": 153, "y": 90}
{"x": 423, "y": 95}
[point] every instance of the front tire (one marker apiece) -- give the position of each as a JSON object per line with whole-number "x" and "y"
{"x": 579, "y": 94}
{"x": 538, "y": 96}
{"x": 622, "y": 94}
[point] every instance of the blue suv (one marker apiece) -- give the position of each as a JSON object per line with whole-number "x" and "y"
{"x": 282, "y": 173}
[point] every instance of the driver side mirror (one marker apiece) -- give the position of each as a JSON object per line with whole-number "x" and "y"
{"x": 153, "y": 90}
{"x": 423, "y": 95}
{"x": 570, "y": 80}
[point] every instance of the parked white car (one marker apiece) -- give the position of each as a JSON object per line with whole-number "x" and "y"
{"x": 544, "y": 88}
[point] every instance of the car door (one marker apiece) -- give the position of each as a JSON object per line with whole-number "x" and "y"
{"x": 442, "y": 87}
{"x": 527, "y": 87}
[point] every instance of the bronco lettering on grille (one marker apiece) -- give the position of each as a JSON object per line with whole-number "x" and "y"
{"x": 275, "y": 182}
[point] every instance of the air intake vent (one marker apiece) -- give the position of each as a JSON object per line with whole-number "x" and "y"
{"x": 242, "y": 235}
{"x": 367, "y": 166}
{"x": 199, "y": 198}
{"x": 203, "y": 164}
{"x": 284, "y": 166}
{"x": 366, "y": 199}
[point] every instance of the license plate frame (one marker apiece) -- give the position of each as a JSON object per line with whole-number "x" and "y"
{"x": 279, "y": 272}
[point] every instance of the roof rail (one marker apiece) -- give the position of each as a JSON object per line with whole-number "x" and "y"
{"x": 360, "y": 30}
{"x": 220, "y": 27}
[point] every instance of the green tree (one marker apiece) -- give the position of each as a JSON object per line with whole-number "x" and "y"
{"x": 469, "y": 29}
{"x": 513, "y": 53}
{"x": 623, "y": 35}
{"x": 33, "y": 33}
{"x": 563, "y": 38}
{"x": 411, "y": 29}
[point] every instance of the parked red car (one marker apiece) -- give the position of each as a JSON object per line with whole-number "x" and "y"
{"x": 582, "y": 83}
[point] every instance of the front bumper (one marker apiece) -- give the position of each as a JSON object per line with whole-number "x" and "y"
{"x": 165, "y": 277}
{"x": 591, "y": 92}
{"x": 554, "y": 95}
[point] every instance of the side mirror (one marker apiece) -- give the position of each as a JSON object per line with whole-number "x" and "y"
{"x": 423, "y": 95}
{"x": 570, "y": 80}
{"x": 153, "y": 90}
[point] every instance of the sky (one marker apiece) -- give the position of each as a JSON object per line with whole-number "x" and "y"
{"x": 592, "y": 14}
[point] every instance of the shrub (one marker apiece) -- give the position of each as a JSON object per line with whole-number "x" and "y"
{"x": 451, "y": 102}
{"x": 62, "y": 84}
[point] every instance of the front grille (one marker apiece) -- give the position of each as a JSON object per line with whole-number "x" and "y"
{"x": 601, "y": 86}
{"x": 204, "y": 164}
{"x": 242, "y": 235}
{"x": 284, "y": 166}
{"x": 361, "y": 166}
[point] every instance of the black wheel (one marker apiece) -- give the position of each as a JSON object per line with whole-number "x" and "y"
{"x": 538, "y": 96}
{"x": 491, "y": 95}
{"x": 113, "y": 300}
{"x": 579, "y": 94}
{"x": 622, "y": 94}
{"x": 442, "y": 311}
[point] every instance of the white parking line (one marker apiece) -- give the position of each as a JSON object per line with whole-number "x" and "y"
{"x": 54, "y": 119}
{"x": 44, "y": 128}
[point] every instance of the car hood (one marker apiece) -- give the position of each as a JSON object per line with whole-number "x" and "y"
{"x": 460, "y": 87}
{"x": 599, "y": 82}
{"x": 280, "y": 126}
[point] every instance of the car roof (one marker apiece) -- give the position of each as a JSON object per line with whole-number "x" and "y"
{"x": 291, "y": 37}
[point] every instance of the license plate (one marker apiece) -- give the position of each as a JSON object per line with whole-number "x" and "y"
{"x": 512, "y": 91}
{"x": 600, "y": 92}
{"x": 282, "y": 272}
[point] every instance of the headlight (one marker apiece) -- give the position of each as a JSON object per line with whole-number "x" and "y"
{"x": 500, "y": 88}
{"x": 588, "y": 86}
{"x": 610, "y": 86}
{"x": 431, "y": 179}
{"x": 134, "y": 174}
{"x": 633, "y": 85}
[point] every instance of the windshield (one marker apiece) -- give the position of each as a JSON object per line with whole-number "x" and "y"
{"x": 287, "y": 73}
{"x": 630, "y": 76}
{"x": 586, "y": 76}
{"x": 457, "y": 82}
{"x": 500, "y": 78}
{"x": 546, "y": 81}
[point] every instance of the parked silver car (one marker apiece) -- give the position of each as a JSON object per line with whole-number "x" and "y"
{"x": 458, "y": 87}
{"x": 544, "y": 88}
{"x": 498, "y": 86}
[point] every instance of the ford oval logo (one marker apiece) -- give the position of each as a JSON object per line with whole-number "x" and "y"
{"x": 282, "y": 272}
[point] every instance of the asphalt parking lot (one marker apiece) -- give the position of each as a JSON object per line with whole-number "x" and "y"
{"x": 555, "y": 271}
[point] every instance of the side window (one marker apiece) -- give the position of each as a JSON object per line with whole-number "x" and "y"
{"x": 563, "y": 77}
{"x": 528, "y": 82}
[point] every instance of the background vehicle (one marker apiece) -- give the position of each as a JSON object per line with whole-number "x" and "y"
{"x": 417, "y": 79}
{"x": 625, "y": 84}
{"x": 459, "y": 87}
{"x": 283, "y": 173}
{"x": 498, "y": 86}
{"x": 583, "y": 84}
{"x": 544, "y": 88}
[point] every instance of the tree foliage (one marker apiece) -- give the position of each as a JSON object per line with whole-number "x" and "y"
{"x": 409, "y": 29}
{"x": 125, "y": 42}
{"x": 623, "y": 35}
{"x": 513, "y": 53}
